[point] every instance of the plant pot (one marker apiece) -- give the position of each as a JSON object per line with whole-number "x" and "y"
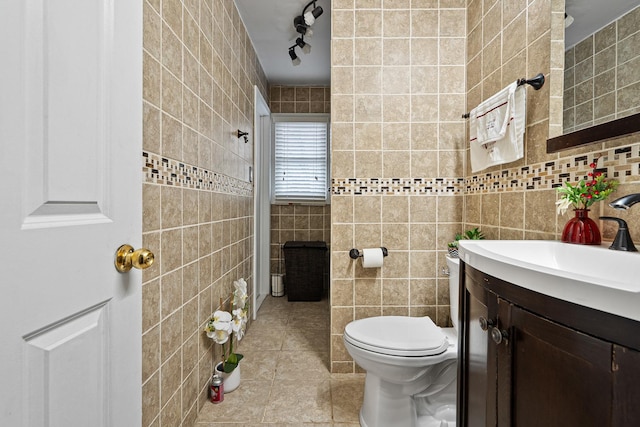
{"x": 453, "y": 252}
{"x": 230, "y": 380}
{"x": 581, "y": 229}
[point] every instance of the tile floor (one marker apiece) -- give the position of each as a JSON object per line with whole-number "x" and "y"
{"x": 285, "y": 376}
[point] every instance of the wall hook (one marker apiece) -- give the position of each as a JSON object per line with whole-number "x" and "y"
{"x": 241, "y": 134}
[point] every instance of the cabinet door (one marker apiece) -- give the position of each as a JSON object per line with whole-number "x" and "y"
{"x": 477, "y": 374}
{"x": 626, "y": 393}
{"x": 559, "y": 377}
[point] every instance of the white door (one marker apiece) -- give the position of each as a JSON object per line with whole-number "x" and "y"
{"x": 262, "y": 199}
{"x": 70, "y": 194}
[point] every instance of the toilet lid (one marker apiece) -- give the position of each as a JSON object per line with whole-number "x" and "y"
{"x": 397, "y": 335}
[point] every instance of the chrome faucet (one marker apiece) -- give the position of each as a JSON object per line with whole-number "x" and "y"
{"x": 622, "y": 241}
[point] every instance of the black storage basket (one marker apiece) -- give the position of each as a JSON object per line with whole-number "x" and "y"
{"x": 304, "y": 264}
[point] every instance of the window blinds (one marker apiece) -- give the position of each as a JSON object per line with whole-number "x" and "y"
{"x": 300, "y": 164}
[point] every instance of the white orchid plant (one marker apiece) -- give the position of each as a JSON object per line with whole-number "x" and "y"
{"x": 222, "y": 326}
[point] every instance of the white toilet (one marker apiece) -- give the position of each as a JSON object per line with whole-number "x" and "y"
{"x": 411, "y": 366}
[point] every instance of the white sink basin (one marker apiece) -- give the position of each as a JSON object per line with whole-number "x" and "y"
{"x": 593, "y": 276}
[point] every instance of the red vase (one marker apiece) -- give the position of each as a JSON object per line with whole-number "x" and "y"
{"x": 581, "y": 229}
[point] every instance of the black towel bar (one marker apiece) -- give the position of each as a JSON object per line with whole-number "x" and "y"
{"x": 537, "y": 82}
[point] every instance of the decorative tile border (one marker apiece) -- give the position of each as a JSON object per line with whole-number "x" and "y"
{"x": 618, "y": 163}
{"x": 380, "y": 186}
{"x": 163, "y": 171}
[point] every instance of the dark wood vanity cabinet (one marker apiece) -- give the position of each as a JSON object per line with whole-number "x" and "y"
{"x": 528, "y": 360}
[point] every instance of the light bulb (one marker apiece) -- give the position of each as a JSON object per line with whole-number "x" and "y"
{"x": 309, "y": 19}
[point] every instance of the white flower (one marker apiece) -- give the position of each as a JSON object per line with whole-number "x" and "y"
{"x": 220, "y": 318}
{"x": 240, "y": 293}
{"x": 219, "y": 336}
{"x": 223, "y": 325}
{"x": 239, "y": 322}
{"x": 562, "y": 205}
{"x": 219, "y": 327}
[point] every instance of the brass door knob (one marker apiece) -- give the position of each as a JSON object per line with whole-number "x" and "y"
{"x": 127, "y": 257}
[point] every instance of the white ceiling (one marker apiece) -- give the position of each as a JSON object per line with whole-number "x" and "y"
{"x": 270, "y": 27}
{"x": 593, "y": 15}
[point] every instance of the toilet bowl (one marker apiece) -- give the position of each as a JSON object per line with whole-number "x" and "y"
{"x": 411, "y": 367}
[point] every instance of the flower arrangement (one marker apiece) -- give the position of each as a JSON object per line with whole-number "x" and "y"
{"x": 585, "y": 193}
{"x": 222, "y": 326}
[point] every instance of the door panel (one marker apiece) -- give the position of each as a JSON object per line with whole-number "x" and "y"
{"x": 547, "y": 360}
{"x": 66, "y": 88}
{"x": 70, "y": 144}
{"x": 626, "y": 393}
{"x": 479, "y": 369}
{"x": 62, "y": 363}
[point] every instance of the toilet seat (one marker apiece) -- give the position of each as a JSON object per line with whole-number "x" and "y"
{"x": 397, "y": 336}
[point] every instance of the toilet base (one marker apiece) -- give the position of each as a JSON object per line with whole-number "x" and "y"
{"x": 444, "y": 417}
{"x": 385, "y": 405}
{"x": 388, "y": 404}
{"x": 426, "y": 421}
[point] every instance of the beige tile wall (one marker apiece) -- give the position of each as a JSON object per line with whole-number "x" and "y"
{"x": 511, "y": 40}
{"x": 296, "y": 222}
{"x": 602, "y": 78}
{"x": 506, "y": 41}
{"x": 299, "y": 99}
{"x": 399, "y": 162}
{"x": 398, "y": 92}
{"x": 199, "y": 72}
{"x": 517, "y": 200}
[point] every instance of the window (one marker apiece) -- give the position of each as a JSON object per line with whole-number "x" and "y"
{"x": 300, "y": 158}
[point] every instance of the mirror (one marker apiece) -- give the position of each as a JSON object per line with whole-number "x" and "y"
{"x": 602, "y": 72}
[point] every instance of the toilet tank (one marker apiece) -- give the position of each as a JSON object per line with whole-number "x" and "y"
{"x": 454, "y": 276}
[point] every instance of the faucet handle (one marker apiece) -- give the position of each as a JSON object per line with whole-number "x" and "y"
{"x": 622, "y": 241}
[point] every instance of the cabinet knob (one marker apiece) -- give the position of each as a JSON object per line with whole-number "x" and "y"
{"x": 498, "y": 336}
{"x": 485, "y": 323}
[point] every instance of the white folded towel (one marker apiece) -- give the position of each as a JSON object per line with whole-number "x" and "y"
{"x": 493, "y": 115}
{"x": 499, "y": 123}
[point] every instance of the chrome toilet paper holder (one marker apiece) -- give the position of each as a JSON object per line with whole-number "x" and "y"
{"x": 355, "y": 254}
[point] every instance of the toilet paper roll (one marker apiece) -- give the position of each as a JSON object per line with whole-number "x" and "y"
{"x": 372, "y": 257}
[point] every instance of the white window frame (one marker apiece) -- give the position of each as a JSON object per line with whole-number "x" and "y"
{"x": 308, "y": 117}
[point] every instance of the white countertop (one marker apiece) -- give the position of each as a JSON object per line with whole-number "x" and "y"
{"x": 592, "y": 276}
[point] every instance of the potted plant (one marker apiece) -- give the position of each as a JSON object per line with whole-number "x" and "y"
{"x": 581, "y": 196}
{"x": 223, "y": 327}
{"x": 472, "y": 234}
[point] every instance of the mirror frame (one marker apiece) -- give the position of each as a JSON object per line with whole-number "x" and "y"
{"x": 613, "y": 129}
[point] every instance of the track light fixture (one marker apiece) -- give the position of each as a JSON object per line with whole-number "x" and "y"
{"x": 306, "y": 47}
{"x": 302, "y": 24}
{"x": 310, "y": 17}
{"x": 294, "y": 58}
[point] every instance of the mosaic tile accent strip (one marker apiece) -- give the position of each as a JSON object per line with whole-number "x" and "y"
{"x": 163, "y": 171}
{"x": 621, "y": 163}
{"x": 381, "y": 186}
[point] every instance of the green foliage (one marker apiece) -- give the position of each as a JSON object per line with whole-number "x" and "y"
{"x": 472, "y": 234}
